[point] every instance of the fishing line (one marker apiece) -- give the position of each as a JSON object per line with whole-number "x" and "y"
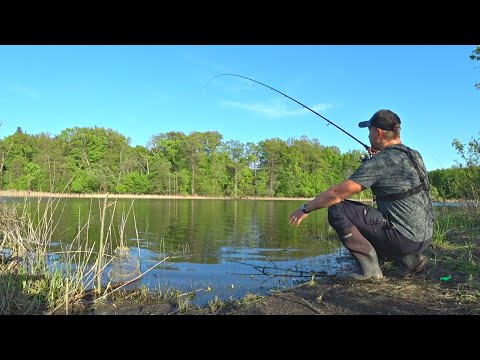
{"x": 298, "y": 102}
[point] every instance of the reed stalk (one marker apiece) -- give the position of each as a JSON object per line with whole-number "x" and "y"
{"x": 100, "y": 250}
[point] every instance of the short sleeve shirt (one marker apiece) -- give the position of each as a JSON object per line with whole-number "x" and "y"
{"x": 390, "y": 172}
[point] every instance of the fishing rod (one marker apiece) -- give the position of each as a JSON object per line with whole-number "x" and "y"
{"x": 298, "y": 102}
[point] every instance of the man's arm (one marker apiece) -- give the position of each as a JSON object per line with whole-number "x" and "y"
{"x": 329, "y": 197}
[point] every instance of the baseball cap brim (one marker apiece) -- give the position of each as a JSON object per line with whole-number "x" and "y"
{"x": 364, "y": 124}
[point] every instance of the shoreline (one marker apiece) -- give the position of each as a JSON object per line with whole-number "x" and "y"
{"x": 40, "y": 194}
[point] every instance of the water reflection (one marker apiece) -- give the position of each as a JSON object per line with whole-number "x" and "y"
{"x": 223, "y": 248}
{"x": 241, "y": 272}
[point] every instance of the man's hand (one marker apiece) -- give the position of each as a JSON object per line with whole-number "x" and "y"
{"x": 297, "y": 216}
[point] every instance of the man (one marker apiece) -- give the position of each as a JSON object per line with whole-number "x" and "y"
{"x": 400, "y": 228}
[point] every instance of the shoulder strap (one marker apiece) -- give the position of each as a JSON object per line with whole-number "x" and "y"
{"x": 423, "y": 184}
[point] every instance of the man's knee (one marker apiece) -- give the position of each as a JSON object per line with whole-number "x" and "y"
{"x": 336, "y": 216}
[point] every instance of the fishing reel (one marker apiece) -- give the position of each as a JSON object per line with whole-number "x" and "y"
{"x": 370, "y": 153}
{"x": 365, "y": 157}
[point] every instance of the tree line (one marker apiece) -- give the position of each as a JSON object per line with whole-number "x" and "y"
{"x": 100, "y": 160}
{"x": 95, "y": 159}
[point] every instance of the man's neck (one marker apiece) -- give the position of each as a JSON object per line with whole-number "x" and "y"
{"x": 390, "y": 143}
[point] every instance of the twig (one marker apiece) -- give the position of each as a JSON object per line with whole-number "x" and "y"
{"x": 306, "y": 303}
{"x": 288, "y": 272}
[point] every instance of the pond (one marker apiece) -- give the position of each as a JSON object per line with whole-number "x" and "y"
{"x": 207, "y": 248}
{"x": 221, "y": 249}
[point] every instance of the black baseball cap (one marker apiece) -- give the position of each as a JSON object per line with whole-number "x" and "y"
{"x": 383, "y": 119}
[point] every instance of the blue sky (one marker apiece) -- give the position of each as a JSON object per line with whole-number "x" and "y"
{"x": 145, "y": 90}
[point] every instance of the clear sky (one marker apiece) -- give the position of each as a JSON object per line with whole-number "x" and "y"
{"x": 145, "y": 90}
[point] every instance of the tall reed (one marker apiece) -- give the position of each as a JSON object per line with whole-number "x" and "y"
{"x": 36, "y": 277}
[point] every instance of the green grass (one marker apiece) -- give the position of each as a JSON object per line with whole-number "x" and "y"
{"x": 456, "y": 243}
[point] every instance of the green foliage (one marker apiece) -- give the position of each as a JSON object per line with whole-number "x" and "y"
{"x": 85, "y": 182}
{"x": 476, "y": 53}
{"x": 170, "y": 146}
{"x": 30, "y": 172}
{"x": 434, "y": 194}
{"x": 183, "y": 182}
{"x": 134, "y": 183}
{"x": 448, "y": 182}
{"x": 89, "y": 160}
{"x": 270, "y": 159}
{"x": 470, "y": 182}
{"x": 476, "y": 56}
{"x": 161, "y": 176}
{"x": 104, "y": 178}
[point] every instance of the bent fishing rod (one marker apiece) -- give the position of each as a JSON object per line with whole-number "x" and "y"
{"x": 298, "y": 102}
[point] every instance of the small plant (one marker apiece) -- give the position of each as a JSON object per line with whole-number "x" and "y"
{"x": 214, "y": 305}
{"x": 184, "y": 303}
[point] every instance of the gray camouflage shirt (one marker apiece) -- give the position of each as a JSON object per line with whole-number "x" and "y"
{"x": 389, "y": 172}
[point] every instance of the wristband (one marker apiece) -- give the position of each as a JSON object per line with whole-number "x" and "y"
{"x": 304, "y": 209}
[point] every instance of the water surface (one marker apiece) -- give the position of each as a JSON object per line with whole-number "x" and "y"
{"x": 214, "y": 248}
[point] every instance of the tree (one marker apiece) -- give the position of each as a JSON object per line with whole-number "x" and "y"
{"x": 476, "y": 56}
{"x": 170, "y": 146}
{"x": 237, "y": 164}
{"x": 470, "y": 154}
{"x": 134, "y": 183}
{"x": 271, "y": 151}
{"x": 195, "y": 154}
